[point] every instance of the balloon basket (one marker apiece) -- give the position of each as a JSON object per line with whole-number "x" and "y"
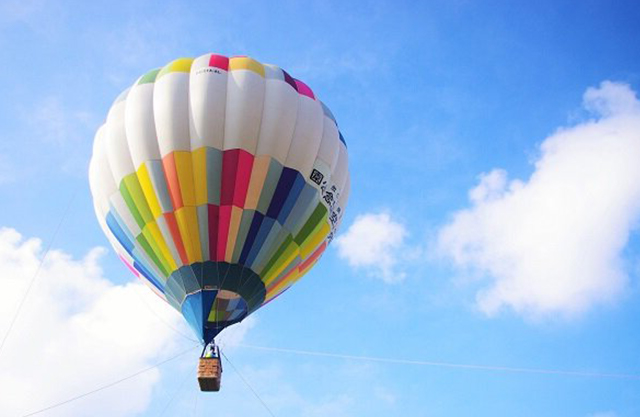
{"x": 209, "y": 374}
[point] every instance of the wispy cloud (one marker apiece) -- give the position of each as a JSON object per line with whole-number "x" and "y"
{"x": 55, "y": 135}
{"x": 7, "y": 170}
{"x": 77, "y": 331}
{"x": 376, "y": 243}
{"x": 233, "y": 336}
{"x": 58, "y": 123}
{"x": 40, "y": 16}
{"x": 551, "y": 245}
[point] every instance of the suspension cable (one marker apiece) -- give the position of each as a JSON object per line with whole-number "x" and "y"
{"x": 451, "y": 364}
{"x": 109, "y": 385}
{"x": 175, "y": 394}
{"x": 35, "y": 275}
{"x": 237, "y": 371}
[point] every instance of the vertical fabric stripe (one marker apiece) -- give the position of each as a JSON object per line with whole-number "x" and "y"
{"x": 224, "y": 218}
{"x": 184, "y": 171}
{"x": 147, "y": 189}
{"x": 258, "y": 176}
{"x": 188, "y": 226}
{"x": 171, "y": 175}
{"x": 285, "y": 182}
{"x": 245, "y": 224}
{"x": 234, "y": 226}
{"x": 177, "y": 238}
{"x": 200, "y": 175}
{"x": 219, "y": 61}
{"x": 236, "y": 173}
{"x": 269, "y": 186}
{"x": 251, "y": 235}
{"x": 213, "y": 221}
{"x": 314, "y": 240}
{"x": 203, "y": 230}
{"x": 159, "y": 181}
{"x": 214, "y": 175}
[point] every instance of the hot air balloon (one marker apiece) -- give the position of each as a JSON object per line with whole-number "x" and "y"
{"x": 219, "y": 182}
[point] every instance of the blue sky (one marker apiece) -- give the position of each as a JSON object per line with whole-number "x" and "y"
{"x": 492, "y": 220}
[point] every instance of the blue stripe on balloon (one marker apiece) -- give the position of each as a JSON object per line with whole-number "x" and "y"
{"x": 148, "y": 275}
{"x": 192, "y": 311}
{"x": 265, "y": 228}
{"x": 119, "y": 233}
{"x": 251, "y": 236}
{"x": 292, "y": 197}
{"x": 285, "y": 182}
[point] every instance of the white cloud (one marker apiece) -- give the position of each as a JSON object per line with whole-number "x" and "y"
{"x": 77, "y": 331}
{"x": 552, "y": 244}
{"x": 375, "y": 242}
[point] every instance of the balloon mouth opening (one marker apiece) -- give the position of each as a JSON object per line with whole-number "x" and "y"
{"x": 228, "y": 307}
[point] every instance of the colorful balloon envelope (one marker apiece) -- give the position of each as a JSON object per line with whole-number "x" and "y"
{"x": 219, "y": 182}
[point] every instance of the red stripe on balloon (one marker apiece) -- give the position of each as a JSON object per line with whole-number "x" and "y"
{"x": 243, "y": 177}
{"x": 315, "y": 255}
{"x": 229, "y": 167}
{"x": 224, "y": 218}
{"x": 236, "y": 175}
{"x": 175, "y": 234}
{"x": 282, "y": 278}
{"x": 219, "y": 61}
{"x": 302, "y": 266}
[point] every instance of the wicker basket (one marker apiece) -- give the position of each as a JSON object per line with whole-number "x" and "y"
{"x": 209, "y": 374}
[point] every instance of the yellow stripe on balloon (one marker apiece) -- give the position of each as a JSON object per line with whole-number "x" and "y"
{"x": 213, "y": 314}
{"x": 187, "y": 220}
{"x": 293, "y": 277}
{"x": 314, "y": 240}
{"x": 156, "y": 236}
{"x": 199, "y": 158}
{"x": 147, "y": 189}
{"x": 258, "y": 176}
{"x": 289, "y": 254}
{"x": 234, "y": 225}
{"x": 164, "y": 266}
{"x": 238, "y": 63}
{"x": 179, "y": 65}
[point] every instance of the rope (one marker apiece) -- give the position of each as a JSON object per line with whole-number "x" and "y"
{"x": 451, "y": 365}
{"x": 109, "y": 385}
{"x": 33, "y": 279}
{"x": 249, "y": 385}
{"x": 175, "y": 394}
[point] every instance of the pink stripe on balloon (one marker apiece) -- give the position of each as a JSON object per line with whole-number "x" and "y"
{"x": 304, "y": 89}
{"x": 243, "y": 177}
{"x": 224, "y": 219}
{"x": 131, "y": 268}
{"x": 219, "y": 61}
{"x": 236, "y": 175}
